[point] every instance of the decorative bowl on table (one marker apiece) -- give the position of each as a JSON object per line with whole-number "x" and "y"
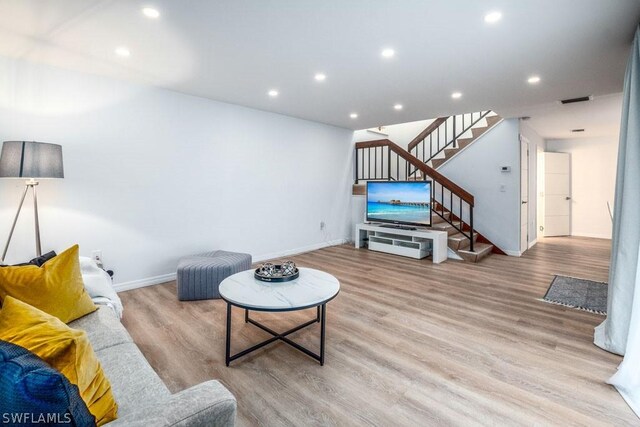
{"x": 283, "y": 272}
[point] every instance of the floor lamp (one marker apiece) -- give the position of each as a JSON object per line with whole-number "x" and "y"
{"x": 22, "y": 159}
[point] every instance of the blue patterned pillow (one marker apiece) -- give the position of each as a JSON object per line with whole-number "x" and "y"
{"x": 33, "y": 393}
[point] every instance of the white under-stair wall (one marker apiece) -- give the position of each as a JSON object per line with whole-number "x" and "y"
{"x": 497, "y": 194}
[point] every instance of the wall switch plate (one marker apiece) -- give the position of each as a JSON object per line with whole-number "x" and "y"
{"x": 322, "y": 225}
{"x": 503, "y": 188}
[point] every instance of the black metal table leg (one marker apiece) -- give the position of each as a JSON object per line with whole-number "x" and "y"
{"x": 228, "y": 346}
{"x": 322, "y": 333}
{"x": 320, "y": 317}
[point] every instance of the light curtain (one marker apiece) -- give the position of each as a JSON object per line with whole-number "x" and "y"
{"x": 620, "y": 332}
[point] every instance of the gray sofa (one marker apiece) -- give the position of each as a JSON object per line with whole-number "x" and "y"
{"x": 142, "y": 397}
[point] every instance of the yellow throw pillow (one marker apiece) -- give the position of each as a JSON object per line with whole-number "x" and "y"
{"x": 65, "y": 349}
{"x": 55, "y": 288}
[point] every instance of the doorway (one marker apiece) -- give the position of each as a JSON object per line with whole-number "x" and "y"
{"x": 557, "y": 194}
{"x": 524, "y": 194}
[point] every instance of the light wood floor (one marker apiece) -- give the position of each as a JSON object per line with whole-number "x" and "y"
{"x": 408, "y": 343}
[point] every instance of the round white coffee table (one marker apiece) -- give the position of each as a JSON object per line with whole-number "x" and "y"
{"x": 314, "y": 288}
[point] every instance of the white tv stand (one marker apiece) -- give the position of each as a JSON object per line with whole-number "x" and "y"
{"x": 418, "y": 243}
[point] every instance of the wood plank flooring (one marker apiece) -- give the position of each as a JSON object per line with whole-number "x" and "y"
{"x": 408, "y": 343}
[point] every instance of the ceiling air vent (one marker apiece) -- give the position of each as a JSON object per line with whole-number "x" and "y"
{"x": 577, "y": 130}
{"x": 574, "y": 100}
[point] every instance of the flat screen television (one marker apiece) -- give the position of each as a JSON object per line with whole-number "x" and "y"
{"x": 399, "y": 202}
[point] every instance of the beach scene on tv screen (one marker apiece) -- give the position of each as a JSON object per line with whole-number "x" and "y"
{"x": 399, "y": 201}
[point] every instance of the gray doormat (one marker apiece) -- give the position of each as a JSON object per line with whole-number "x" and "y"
{"x": 582, "y": 294}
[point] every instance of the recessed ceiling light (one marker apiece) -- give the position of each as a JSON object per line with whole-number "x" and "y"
{"x": 123, "y": 51}
{"x": 273, "y": 93}
{"x": 150, "y": 12}
{"x": 388, "y": 53}
{"x": 397, "y": 107}
{"x": 320, "y": 77}
{"x": 456, "y": 95}
{"x": 533, "y": 80}
{"x": 492, "y": 17}
{"x": 353, "y": 115}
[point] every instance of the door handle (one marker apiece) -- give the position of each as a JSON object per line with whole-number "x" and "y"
{"x": 524, "y": 202}
{"x": 567, "y": 198}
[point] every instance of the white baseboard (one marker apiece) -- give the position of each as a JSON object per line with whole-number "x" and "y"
{"x": 156, "y": 280}
{"x": 141, "y": 283}
{"x": 296, "y": 251}
{"x": 594, "y": 236}
{"x": 533, "y": 243}
{"x": 513, "y": 253}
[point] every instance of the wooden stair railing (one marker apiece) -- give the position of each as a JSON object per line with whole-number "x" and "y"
{"x": 433, "y": 127}
{"x": 384, "y": 160}
{"x": 443, "y": 134}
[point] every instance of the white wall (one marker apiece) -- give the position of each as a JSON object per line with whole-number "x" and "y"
{"x": 152, "y": 175}
{"x": 535, "y": 141}
{"x": 402, "y": 134}
{"x": 593, "y": 176}
{"x": 477, "y": 170}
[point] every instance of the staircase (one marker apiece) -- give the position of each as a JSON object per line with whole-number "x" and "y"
{"x": 447, "y": 136}
{"x": 452, "y": 206}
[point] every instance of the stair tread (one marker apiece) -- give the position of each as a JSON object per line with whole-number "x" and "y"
{"x": 479, "y": 248}
{"x": 444, "y": 226}
{"x": 476, "y": 132}
{"x": 458, "y": 236}
{"x": 437, "y": 219}
{"x": 491, "y": 120}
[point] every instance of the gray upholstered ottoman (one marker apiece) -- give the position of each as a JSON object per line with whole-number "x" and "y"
{"x": 200, "y": 275}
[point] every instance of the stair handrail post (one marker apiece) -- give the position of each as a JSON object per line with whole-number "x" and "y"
{"x": 455, "y": 138}
{"x": 356, "y": 168}
{"x": 470, "y": 226}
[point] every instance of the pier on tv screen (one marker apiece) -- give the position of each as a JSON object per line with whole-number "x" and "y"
{"x": 399, "y": 202}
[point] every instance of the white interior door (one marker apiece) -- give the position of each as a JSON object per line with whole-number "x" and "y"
{"x": 540, "y": 194}
{"x": 524, "y": 195}
{"x": 557, "y": 194}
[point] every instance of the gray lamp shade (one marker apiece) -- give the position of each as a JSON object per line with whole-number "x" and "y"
{"x": 23, "y": 159}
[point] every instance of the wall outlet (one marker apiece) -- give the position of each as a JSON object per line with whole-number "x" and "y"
{"x": 97, "y": 256}
{"x": 503, "y": 188}
{"x": 322, "y": 225}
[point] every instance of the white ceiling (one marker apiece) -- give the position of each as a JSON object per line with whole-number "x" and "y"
{"x": 236, "y": 50}
{"x": 599, "y": 117}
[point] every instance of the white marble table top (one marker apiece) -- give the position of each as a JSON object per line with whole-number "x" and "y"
{"x": 312, "y": 288}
